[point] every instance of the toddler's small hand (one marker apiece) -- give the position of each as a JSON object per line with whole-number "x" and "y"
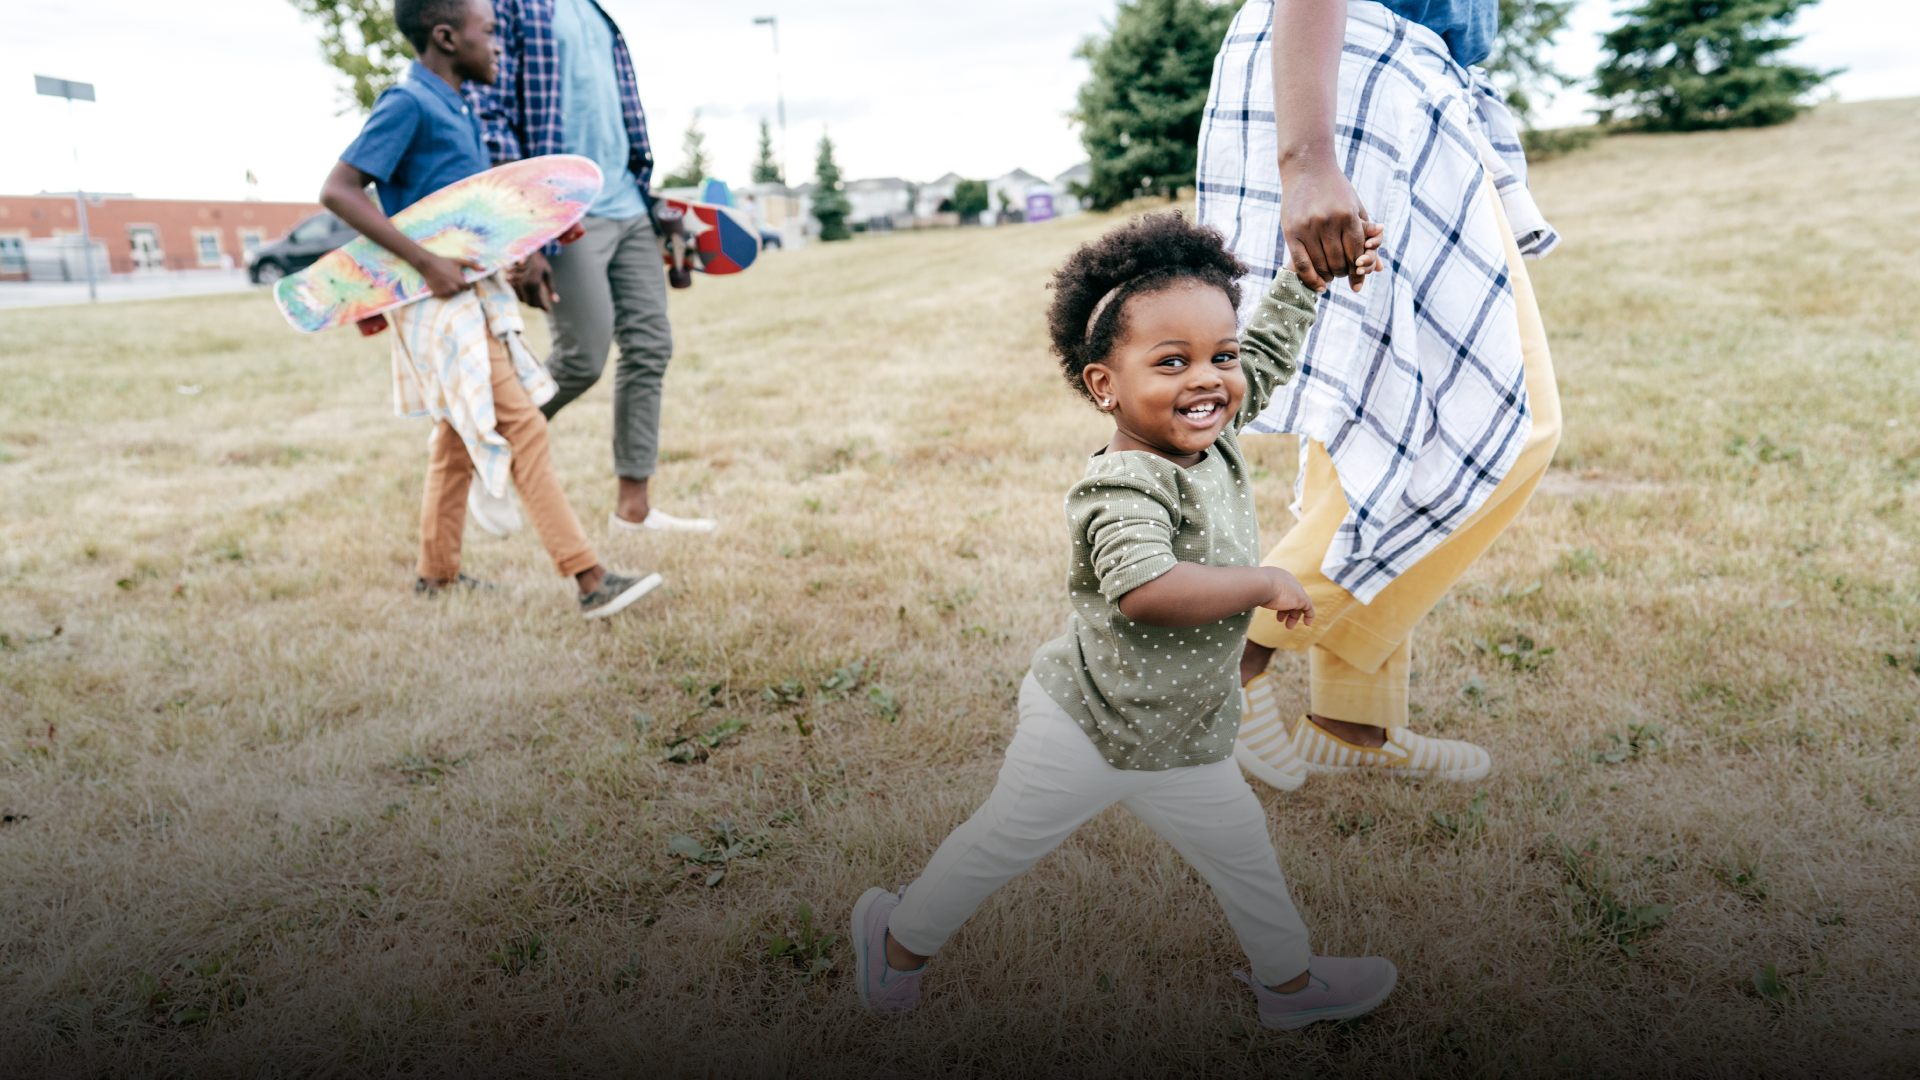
{"x": 1369, "y": 261}
{"x": 1290, "y": 602}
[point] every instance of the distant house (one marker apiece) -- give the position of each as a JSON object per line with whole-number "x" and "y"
{"x": 1065, "y": 202}
{"x": 931, "y": 195}
{"x": 803, "y": 203}
{"x": 881, "y": 204}
{"x": 1014, "y": 187}
{"x": 146, "y": 234}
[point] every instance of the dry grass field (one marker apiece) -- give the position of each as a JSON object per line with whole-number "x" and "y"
{"x": 268, "y": 814}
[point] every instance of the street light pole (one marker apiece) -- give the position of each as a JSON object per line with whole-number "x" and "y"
{"x": 772, "y": 22}
{"x": 67, "y": 88}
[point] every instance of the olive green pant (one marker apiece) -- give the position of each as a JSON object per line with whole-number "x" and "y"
{"x": 612, "y": 286}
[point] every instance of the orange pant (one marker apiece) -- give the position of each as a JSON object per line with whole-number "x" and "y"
{"x": 443, "y": 510}
{"x": 1359, "y": 653}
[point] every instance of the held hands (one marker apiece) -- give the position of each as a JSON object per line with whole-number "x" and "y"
{"x": 1327, "y": 230}
{"x": 1290, "y": 603}
{"x": 532, "y": 281}
{"x": 443, "y": 275}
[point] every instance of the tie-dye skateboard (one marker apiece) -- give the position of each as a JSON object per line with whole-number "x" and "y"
{"x": 496, "y": 218}
{"x": 707, "y": 237}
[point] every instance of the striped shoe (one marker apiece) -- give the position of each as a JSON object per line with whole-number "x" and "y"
{"x": 1265, "y": 747}
{"x": 1404, "y": 752}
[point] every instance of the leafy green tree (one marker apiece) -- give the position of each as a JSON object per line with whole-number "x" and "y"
{"x": 1139, "y": 112}
{"x": 765, "y": 169}
{"x": 969, "y": 198}
{"x": 830, "y": 203}
{"x": 359, "y": 39}
{"x": 1690, "y": 65}
{"x": 694, "y": 165}
{"x": 1519, "y": 64}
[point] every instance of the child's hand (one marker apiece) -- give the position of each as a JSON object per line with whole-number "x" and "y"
{"x": 1369, "y": 262}
{"x": 443, "y": 276}
{"x": 1290, "y": 602}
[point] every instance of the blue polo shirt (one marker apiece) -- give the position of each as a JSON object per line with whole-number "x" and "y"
{"x": 421, "y": 137}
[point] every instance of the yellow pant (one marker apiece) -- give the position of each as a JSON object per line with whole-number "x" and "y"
{"x": 1359, "y": 652}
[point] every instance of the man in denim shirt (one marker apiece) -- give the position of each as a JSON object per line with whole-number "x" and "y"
{"x": 566, "y": 86}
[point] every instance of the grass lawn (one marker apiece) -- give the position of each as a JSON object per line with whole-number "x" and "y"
{"x": 267, "y": 813}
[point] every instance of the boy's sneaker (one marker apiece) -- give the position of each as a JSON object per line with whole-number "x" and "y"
{"x": 884, "y": 991}
{"x": 616, "y": 593}
{"x": 1338, "y": 988}
{"x": 657, "y": 521}
{"x": 1264, "y": 747}
{"x": 1405, "y": 753}
{"x": 496, "y": 515}
{"x": 423, "y": 587}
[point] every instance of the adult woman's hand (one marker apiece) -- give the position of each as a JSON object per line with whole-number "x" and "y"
{"x": 1324, "y": 223}
{"x": 1320, "y": 213}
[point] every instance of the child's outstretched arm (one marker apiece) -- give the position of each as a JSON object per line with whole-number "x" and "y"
{"x": 1191, "y": 594}
{"x": 345, "y": 193}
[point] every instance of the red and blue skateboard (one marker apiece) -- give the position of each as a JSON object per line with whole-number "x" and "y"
{"x": 707, "y": 237}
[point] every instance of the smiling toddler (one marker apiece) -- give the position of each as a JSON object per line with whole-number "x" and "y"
{"x": 1139, "y": 701}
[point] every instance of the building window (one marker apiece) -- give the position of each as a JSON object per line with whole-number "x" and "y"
{"x": 251, "y": 241}
{"x": 144, "y": 240}
{"x": 13, "y": 255}
{"x": 206, "y": 245}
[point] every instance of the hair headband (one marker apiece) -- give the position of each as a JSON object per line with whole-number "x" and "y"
{"x": 1100, "y": 308}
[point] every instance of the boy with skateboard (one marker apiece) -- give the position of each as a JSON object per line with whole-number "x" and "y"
{"x": 458, "y": 356}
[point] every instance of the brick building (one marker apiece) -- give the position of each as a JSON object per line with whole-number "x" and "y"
{"x": 147, "y": 234}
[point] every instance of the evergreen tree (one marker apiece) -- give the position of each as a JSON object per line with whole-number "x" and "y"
{"x": 359, "y": 39}
{"x": 829, "y": 194}
{"x": 1139, "y": 113}
{"x": 1518, "y": 63}
{"x": 1689, "y": 65}
{"x": 765, "y": 170}
{"x": 694, "y": 165}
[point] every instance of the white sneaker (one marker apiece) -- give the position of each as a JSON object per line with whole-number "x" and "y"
{"x": 1264, "y": 747}
{"x": 496, "y": 515}
{"x": 659, "y": 522}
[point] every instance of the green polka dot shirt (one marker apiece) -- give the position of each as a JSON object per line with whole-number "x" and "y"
{"x": 1148, "y": 697}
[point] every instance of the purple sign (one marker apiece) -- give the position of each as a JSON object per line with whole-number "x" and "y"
{"x": 1039, "y": 206}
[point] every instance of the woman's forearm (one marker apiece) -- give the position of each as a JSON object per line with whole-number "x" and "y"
{"x": 1307, "y": 36}
{"x": 1194, "y": 595}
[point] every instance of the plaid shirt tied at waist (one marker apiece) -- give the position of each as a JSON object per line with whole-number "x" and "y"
{"x": 1415, "y": 385}
{"x": 521, "y": 110}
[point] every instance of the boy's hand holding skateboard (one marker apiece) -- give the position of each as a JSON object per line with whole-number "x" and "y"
{"x": 443, "y": 275}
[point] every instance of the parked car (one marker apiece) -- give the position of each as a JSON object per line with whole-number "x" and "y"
{"x": 298, "y": 249}
{"x": 769, "y": 237}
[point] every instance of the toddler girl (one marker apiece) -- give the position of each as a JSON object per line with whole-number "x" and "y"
{"x": 1139, "y": 702}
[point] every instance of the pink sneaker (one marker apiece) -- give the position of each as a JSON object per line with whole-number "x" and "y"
{"x": 1338, "y": 988}
{"x": 884, "y": 991}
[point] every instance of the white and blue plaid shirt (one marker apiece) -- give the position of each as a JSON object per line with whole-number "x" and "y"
{"x": 1415, "y": 385}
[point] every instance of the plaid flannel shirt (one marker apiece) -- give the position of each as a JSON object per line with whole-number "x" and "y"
{"x": 521, "y": 110}
{"x": 1415, "y": 385}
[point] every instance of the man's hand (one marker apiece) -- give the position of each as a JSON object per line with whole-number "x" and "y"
{"x": 1326, "y": 227}
{"x": 1290, "y": 602}
{"x": 532, "y": 281}
{"x": 443, "y": 276}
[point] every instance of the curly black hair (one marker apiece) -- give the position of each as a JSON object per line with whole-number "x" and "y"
{"x": 1143, "y": 256}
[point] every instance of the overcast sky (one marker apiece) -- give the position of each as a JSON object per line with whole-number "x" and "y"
{"x": 193, "y": 95}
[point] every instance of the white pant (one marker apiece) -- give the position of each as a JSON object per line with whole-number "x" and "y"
{"x": 1053, "y": 781}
